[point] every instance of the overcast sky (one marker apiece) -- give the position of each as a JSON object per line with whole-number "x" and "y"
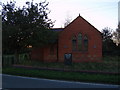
{"x": 100, "y": 13}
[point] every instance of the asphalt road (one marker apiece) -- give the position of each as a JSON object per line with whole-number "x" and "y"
{"x": 10, "y": 81}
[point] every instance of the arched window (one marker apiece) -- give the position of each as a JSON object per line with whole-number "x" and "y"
{"x": 74, "y": 43}
{"x": 85, "y": 43}
{"x": 79, "y": 41}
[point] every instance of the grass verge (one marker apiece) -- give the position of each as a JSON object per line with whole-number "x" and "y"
{"x": 59, "y": 75}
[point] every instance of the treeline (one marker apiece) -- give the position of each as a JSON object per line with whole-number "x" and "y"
{"x": 111, "y": 41}
{"x": 26, "y": 26}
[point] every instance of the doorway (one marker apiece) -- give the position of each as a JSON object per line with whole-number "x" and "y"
{"x": 68, "y": 58}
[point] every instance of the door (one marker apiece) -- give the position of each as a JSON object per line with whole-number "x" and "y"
{"x": 68, "y": 58}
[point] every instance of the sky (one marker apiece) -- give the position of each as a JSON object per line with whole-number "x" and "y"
{"x": 100, "y": 13}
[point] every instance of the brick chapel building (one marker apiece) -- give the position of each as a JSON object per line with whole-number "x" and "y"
{"x": 78, "y": 42}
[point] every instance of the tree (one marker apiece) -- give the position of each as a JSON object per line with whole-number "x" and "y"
{"x": 67, "y": 20}
{"x": 109, "y": 47}
{"x": 25, "y": 26}
{"x": 116, "y": 35}
{"x": 106, "y": 34}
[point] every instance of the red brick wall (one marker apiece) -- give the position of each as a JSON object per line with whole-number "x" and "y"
{"x": 48, "y": 57}
{"x": 37, "y": 54}
{"x": 79, "y": 25}
{"x": 43, "y": 54}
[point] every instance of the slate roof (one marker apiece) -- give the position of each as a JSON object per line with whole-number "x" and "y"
{"x": 57, "y": 29}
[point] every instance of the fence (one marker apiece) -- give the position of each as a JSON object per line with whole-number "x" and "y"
{"x": 8, "y": 60}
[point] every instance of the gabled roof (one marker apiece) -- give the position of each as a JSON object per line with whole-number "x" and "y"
{"x": 85, "y": 21}
{"x": 62, "y": 29}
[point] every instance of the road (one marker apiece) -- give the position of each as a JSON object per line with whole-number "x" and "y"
{"x": 10, "y": 81}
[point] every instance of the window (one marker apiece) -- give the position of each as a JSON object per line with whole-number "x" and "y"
{"x": 79, "y": 41}
{"x": 85, "y": 43}
{"x": 74, "y": 43}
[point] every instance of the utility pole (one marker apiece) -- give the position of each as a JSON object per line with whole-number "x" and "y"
{"x": 118, "y": 12}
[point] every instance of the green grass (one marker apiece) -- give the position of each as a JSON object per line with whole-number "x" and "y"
{"x": 109, "y": 64}
{"x": 60, "y": 75}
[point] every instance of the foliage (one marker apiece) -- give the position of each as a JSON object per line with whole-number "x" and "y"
{"x": 116, "y": 35}
{"x": 25, "y": 26}
{"x": 109, "y": 64}
{"x": 106, "y": 34}
{"x": 109, "y": 47}
{"x": 9, "y": 60}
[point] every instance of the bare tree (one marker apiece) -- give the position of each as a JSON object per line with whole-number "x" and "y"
{"x": 68, "y": 20}
{"x": 116, "y": 35}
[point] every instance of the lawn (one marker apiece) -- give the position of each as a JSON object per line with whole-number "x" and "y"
{"x": 109, "y": 64}
{"x": 60, "y": 75}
